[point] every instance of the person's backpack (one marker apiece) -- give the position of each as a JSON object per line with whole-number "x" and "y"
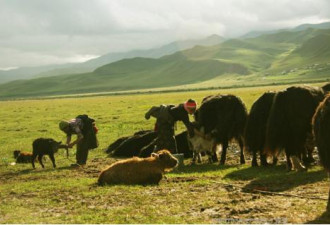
{"x": 89, "y": 131}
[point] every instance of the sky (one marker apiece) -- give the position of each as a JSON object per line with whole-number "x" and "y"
{"x": 42, "y": 32}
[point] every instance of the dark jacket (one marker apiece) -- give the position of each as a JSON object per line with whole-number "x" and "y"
{"x": 171, "y": 114}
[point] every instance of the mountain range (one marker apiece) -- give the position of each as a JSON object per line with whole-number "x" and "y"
{"x": 302, "y": 53}
{"x": 90, "y": 65}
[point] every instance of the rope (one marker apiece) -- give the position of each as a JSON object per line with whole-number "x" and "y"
{"x": 252, "y": 190}
{"x": 81, "y": 167}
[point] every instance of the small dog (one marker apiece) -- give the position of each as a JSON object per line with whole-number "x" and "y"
{"x": 22, "y": 157}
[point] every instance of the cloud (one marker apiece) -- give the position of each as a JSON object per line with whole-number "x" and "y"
{"x": 40, "y": 32}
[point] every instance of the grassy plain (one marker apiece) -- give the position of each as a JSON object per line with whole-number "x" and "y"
{"x": 197, "y": 194}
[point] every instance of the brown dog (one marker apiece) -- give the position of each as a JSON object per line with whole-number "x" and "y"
{"x": 138, "y": 170}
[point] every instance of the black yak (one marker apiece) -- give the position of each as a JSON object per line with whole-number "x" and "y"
{"x": 255, "y": 130}
{"x": 45, "y": 146}
{"x": 326, "y": 87}
{"x": 120, "y": 140}
{"x": 289, "y": 124}
{"x": 133, "y": 145}
{"x": 321, "y": 129}
{"x": 116, "y": 144}
{"x": 181, "y": 144}
{"x": 223, "y": 117}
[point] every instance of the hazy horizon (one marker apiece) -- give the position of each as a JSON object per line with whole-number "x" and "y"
{"x": 42, "y": 32}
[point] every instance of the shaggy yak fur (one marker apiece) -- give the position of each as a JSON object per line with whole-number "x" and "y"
{"x": 181, "y": 144}
{"x": 45, "y": 146}
{"x": 289, "y": 124}
{"x": 120, "y": 140}
{"x": 223, "y": 117}
{"x": 321, "y": 128}
{"x": 138, "y": 170}
{"x": 133, "y": 145}
{"x": 326, "y": 88}
{"x": 22, "y": 157}
{"x": 255, "y": 129}
{"x": 116, "y": 144}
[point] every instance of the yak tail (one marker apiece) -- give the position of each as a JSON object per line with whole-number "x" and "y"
{"x": 277, "y": 126}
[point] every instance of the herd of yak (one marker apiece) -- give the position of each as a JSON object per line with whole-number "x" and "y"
{"x": 293, "y": 121}
{"x": 278, "y": 121}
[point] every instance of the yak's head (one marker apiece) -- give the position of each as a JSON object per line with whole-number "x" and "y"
{"x": 56, "y": 145}
{"x": 166, "y": 159}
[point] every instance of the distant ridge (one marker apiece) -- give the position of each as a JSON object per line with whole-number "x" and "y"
{"x": 286, "y": 56}
{"x": 90, "y": 65}
{"x": 254, "y": 34}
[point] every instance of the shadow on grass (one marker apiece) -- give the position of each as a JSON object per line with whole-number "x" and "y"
{"x": 275, "y": 178}
{"x": 31, "y": 171}
{"x": 323, "y": 219}
{"x": 202, "y": 168}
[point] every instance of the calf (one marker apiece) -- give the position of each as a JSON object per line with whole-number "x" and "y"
{"x": 201, "y": 143}
{"x": 45, "y": 146}
{"x": 138, "y": 170}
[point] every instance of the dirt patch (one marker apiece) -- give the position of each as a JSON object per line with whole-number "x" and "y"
{"x": 180, "y": 179}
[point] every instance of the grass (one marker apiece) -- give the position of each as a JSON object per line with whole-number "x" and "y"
{"x": 206, "y": 193}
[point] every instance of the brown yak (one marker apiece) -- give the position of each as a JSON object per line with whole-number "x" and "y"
{"x": 138, "y": 170}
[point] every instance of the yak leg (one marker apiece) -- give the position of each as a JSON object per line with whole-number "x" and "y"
{"x": 214, "y": 151}
{"x": 33, "y": 159}
{"x": 199, "y": 157}
{"x": 288, "y": 161}
{"x": 328, "y": 205}
{"x": 297, "y": 163}
{"x": 254, "y": 159}
{"x": 53, "y": 160}
{"x": 263, "y": 159}
{"x": 153, "y": 179}
{"x": 241, "y": 145}
{"x": 275, "y": 159}
{"x": 40, "y": 160}
{"x": 224, "y": 152}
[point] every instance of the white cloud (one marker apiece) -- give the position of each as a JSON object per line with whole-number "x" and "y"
{"x": 40, "y": 32}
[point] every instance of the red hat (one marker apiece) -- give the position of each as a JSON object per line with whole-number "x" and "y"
{"x": 190, "y": 106}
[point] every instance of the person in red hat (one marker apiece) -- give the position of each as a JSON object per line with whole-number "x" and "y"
{"x": 167, "y": 116}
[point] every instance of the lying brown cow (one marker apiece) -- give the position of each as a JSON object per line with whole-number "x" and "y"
{"x": 138, "y": 170}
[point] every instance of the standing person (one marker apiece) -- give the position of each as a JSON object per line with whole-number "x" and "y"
{"x": 85, "y": 130}
{"x": 166, "y": 116}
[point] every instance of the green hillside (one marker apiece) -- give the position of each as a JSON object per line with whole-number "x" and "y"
{"x": 310, "y": 58}
{"x": 283, "y": 56}
{"x": 137, "y": 73}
